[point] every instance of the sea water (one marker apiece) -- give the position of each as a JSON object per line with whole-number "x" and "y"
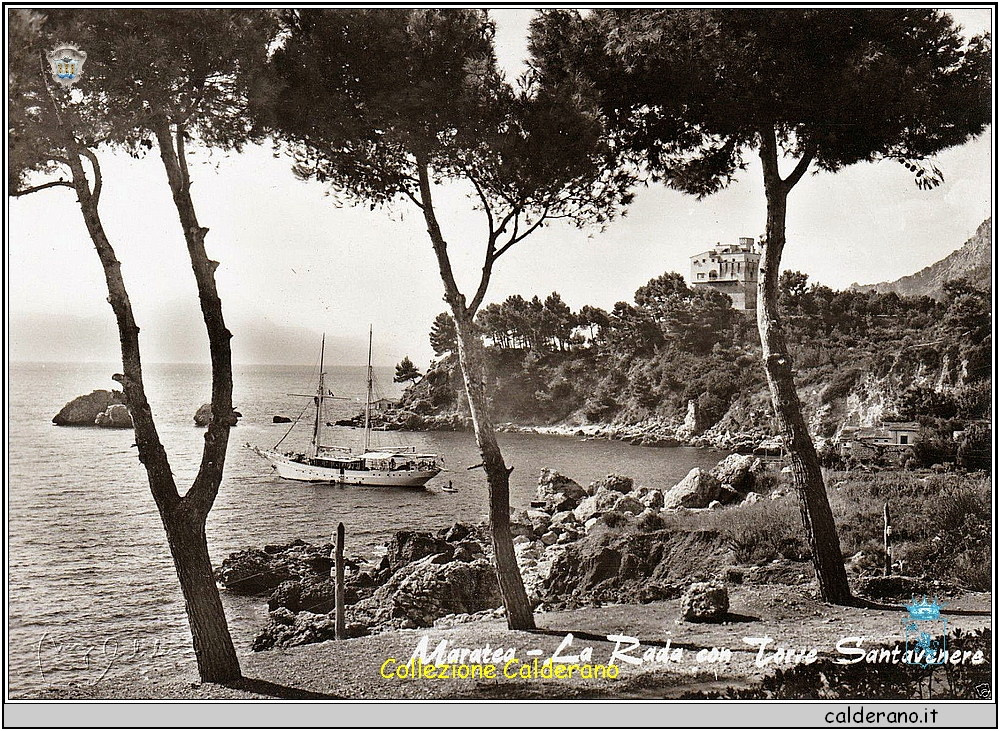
{"x": 91, "y": 586}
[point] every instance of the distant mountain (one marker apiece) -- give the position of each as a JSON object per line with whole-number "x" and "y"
{"x": 974, "y": 260}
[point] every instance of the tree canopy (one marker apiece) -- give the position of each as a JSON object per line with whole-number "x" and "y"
{"x": 382, "y": 104}
{"x": 689, "y": 90}
{"x": 406, "y": 371}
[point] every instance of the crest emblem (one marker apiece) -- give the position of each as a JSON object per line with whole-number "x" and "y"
{"x": 66, "y": 62}
{"x": 921, "y": 628}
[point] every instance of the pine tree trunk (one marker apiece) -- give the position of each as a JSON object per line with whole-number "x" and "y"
{"x": 213, "y": 645}
{"x": 817, "y": 517}
{"x": 183, "y": 518}
{"x": 472, "y": 361}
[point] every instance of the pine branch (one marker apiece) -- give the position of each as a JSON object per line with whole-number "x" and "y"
{"x": 36, "y": 188}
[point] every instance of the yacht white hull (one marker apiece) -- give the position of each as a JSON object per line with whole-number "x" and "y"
{"x": 291, "y": 468}
{"x": 401, "y": 467}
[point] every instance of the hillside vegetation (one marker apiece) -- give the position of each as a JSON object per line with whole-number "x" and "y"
{"x": 683, "y": 365}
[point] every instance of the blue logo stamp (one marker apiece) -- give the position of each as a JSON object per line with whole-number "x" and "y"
{"x": 66, "y": 62}
{"x": 921, "y": 629}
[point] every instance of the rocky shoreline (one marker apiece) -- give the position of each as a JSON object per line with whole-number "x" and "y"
{"x": 648, "y": 433}
{"x": 576, "y": 546}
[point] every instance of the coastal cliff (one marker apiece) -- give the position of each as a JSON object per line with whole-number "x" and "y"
{"x": 860, "y": 358}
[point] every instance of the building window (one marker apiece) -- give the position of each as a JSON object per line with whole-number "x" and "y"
{"x": 903, "y": 439}
{"x": 701, "y": 275}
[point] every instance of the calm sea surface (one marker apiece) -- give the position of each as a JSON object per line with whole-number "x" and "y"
{"x": 91, "y": 588}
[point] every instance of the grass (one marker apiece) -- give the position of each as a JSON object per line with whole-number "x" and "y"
{"x": 940, "y": 525}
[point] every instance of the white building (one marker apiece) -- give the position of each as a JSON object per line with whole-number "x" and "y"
{"x": 732, "y": 269}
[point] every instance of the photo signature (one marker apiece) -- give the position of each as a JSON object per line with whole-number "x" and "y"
{"x": 99, "y": 656}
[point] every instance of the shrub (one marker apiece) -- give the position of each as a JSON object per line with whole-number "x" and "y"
{"x": 933, "y": 448}
{"x": 975, "y": 448}
{"x": 761, "y": 532}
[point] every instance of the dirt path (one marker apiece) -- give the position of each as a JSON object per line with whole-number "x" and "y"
{"x": 676, "y": 657}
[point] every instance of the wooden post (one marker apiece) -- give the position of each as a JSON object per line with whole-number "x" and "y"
{"x": 887, "y": 538}
{"x": 339, "y": 565}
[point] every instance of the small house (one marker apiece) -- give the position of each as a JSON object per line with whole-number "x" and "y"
{"x": 382, "y": 405}
{"x": 890, "y": 439}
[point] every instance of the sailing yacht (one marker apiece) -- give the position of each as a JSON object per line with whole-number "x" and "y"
{"x": 398, "y": 467}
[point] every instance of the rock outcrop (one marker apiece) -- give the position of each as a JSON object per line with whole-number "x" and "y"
{"x": 558, "y": 492}
{"x": 423, "y": 576}
{"x": 740, "y": 472}
{"x": 602, "y": 501}
{"x": 615, "y": 483}
{"x": 286, "y": 628}
{"x": 256, "y": 571}
{"x": 407, "y": 546}
{"x": 696, "y": 490}
{"x": 573, "y": 549}
{"x": 433, "y": 587}
{"x": 84, "y": 410}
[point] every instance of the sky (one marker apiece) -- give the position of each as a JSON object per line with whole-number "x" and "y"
{"x": 295, "y": 265}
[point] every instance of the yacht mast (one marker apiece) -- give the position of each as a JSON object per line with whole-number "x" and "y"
{"x": 368, "y": 398}
{"x": 320, "y": 391}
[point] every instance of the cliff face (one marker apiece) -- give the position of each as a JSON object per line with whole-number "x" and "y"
{"x": 973, "y": 260}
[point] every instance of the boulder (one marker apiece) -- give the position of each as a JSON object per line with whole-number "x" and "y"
{"x": 286, "y": 596}
{"x": 752, "y": 497}
{"x": 255, "y": 571}
{"x": 558, "y": 492}
{"x": 616, "y": 483}
{"x": 705, "y": 602}
{"x": 696, "y": 490}
{"x": 565, "y": 518}
{"x": 739, "y": 471}
{"x": 83, "y": 410}
{"x": 203, "y": 416}
{"x": 458, "y": 532}
{"x": 425, "y": 590}
{"x": 600, "y": 502}
{"x": 252, "y": 572}
{"x": 285, "y": 629}
{"x": 540, "y": 521}
{"x": 407, "y": 546}
{"x": 650, "y": 497}
{"x": 319, "y": 595}
{"x": 472, "y": 547}
{"x": 629, "y": 505}
{"x": 116, "y": 416}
